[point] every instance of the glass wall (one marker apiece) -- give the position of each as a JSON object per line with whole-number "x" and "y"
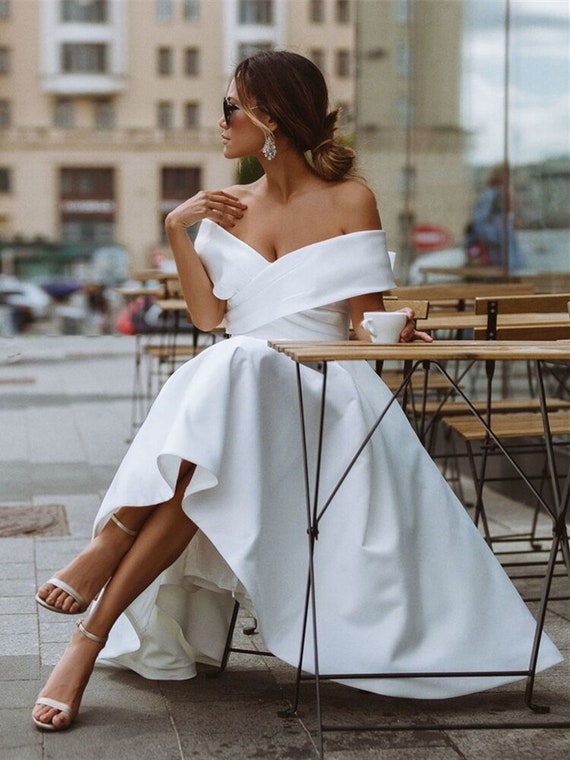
{"x": 463, "y": 125}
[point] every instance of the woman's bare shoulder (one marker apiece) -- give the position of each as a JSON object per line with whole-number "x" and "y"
{"x": 243, "y": 192}
{"x": 357, "y": 206}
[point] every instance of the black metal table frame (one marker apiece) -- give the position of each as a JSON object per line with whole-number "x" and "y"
{"x": 314, "y": 514}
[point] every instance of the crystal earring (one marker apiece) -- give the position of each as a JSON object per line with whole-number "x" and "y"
{"x": 269, "y": 150}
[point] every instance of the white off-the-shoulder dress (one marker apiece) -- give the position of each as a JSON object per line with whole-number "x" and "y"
{"x": 404, "y": 581}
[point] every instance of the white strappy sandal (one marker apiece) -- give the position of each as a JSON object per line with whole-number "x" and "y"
{"x": 61, "y": 706}
{"x": 75, "y": 595}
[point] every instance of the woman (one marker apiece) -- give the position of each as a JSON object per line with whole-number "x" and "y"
{"x": 491, "y": 237}
{"x": 208, "y": 504}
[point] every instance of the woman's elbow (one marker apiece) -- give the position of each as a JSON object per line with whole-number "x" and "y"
{"x": 206, "y": 322}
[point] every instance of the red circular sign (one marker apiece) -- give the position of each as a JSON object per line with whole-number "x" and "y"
{"x": 431, "y": 237}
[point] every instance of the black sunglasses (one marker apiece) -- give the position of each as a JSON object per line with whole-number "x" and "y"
{"x": 229, "y": 108}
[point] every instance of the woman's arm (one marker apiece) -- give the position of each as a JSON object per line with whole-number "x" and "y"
{"x": 206, "y": 310}
{"x": 363, "y": 215}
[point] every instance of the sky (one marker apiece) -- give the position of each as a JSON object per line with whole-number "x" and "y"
{"x": 539, "y": 76}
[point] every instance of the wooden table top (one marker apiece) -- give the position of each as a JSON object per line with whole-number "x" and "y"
{"x": 439, "y": 350}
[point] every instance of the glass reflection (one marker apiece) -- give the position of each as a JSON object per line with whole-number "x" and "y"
{"x": 462, "y": 104}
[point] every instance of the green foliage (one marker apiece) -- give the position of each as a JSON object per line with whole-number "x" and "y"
{"x": 248, "y": 170}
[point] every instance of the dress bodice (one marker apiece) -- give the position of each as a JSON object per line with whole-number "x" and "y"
{"x": 302, "y": 295}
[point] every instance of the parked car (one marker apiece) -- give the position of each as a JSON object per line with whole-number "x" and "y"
{"x": 27, "y": 301}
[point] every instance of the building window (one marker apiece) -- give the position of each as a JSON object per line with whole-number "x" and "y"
{"x": 317, "y": 56}
{"x": 104, "y": 113}
{"x": 4, "y": 60}
{"x": 343, "y": 11}
{"x": 83, "y": 58}
{"x": 165, "y": 115}
{"x": 4, "y": 8}
{"x": 191, "y": 10}
{"x": 191, "y": 116}
{"x": 247, "y": 49}
{"x": 86, "y": 183}
{"x": 317, "y": 11}
{"x": 84, "y": 11}
{"x": 64, "y": 113}
{"x": 342, "y": 63}
{"x": 5, "y": 114}
{"x": 180, "y": 183}
{"x": 255, "y": 12}
{"x": 5, "y": 180}
{"x": 164, "y": 61}
{"x": 164, "y": 10}
{"x": 87, "y": 205}
{"x": 191, "y": 62}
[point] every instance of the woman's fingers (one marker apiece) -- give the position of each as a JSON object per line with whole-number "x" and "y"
{"x": 224, "y": 208}
{"x": 425, "y": 337}
{"x": 217, "y": 205}
{"x": 409, "y": 333}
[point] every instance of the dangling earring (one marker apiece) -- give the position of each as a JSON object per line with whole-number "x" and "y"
{"x": 269, "y": 150}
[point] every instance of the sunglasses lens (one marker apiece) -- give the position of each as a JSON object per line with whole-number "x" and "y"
{"x": 228, "y": 108}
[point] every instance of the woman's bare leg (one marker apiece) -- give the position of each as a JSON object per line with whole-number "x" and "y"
{"x": 92, "y": 568}
{"x": 162, "y": 538}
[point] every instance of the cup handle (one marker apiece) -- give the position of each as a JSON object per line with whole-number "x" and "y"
{"x": 368, "y": 325}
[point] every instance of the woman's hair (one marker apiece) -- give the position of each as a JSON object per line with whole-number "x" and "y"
{"x": 292, "y": 90}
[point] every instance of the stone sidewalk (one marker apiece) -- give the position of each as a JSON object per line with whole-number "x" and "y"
{"x": 65, "y": 421}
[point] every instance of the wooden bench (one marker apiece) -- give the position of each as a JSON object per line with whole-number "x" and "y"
{"x": 458, "y": 295}
{"x": 519, "y": 425}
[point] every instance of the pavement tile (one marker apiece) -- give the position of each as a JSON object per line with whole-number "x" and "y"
{"x": 20, "y": 739}
{"x": 246, "y": 728}
{"x": 19, "y": 644}
{"x": 17, "y": 587}
{"x": 17, "y": 605}
{"x": 53, "y": 553}
{"x": 17, "y": 549}
{"x": 529, "y": 744}
{"x": 17, "y": 624}
{"x": 17, "y": 571}
{"x": 19, "y": 667}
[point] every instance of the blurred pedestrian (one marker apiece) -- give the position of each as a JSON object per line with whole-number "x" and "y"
{"x": 491, "y": 238}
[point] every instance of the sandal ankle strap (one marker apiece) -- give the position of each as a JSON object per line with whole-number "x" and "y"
{"x": 123, "y": 527}
{"x": 99, "y": 639}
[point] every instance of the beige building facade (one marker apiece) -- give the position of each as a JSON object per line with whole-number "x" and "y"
{"x": 109, "y": 109}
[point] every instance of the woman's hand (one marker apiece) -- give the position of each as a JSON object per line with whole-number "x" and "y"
{"x": 409, "y": 333}
{"x": 216, "y": 205}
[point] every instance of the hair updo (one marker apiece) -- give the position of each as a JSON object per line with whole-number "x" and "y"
{"x": 292, "y": 90}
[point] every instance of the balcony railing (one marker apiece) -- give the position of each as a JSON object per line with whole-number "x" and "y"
{"x": 127, "y": 137}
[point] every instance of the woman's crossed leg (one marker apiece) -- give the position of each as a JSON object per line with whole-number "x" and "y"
{"x": 163, "y": 532}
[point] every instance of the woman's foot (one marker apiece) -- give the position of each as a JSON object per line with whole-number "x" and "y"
{"x": 60, "y": 698}
{"x": 73, "y": 589}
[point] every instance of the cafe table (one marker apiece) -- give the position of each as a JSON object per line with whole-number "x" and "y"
{"x": 317, "y": 356}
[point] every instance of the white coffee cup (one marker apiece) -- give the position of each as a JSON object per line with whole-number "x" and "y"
{"x": 384, "y": 326}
